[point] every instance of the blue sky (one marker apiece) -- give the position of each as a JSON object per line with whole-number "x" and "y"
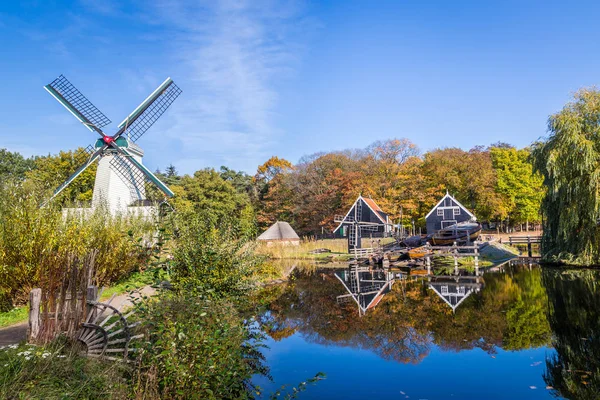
{"x": 291, "y": 78}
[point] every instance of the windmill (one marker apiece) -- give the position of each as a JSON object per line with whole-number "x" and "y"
{"x": 356, "y": 226}
{"x": 358, "y": 221}
{"x": 121, "y": 176}
{"x": 365, "y": 286}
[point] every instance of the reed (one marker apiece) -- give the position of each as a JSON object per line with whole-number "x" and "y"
{"x": 38, "y": 244}
{"x": 276, "y": 250}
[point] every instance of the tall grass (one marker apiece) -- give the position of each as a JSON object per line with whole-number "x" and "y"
{"x": 59, "y": 371}
{"x": 37, "y": 241}
{"x": 276, "y": 250}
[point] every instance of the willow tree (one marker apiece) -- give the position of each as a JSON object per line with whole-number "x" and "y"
{"x": 569, "y": 161}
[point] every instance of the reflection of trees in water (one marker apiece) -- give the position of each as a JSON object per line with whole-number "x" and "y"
{"x": 574, "y": 317}
{"x": 509, "y": 312}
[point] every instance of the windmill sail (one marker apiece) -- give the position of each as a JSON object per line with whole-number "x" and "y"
{"x": 147, "y": 113}
{"x": 78, "y": 172}
{"x": 149, "y": 175}
{"x": 77, "y": 104}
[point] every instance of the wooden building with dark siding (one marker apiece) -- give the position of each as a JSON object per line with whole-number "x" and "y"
{"x": 364, "y": 218}
{"x": 364, "y": 210}
{"x": 446, "y": 213}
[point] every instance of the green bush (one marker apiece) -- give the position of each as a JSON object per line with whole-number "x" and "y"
{"x": 214, "y": 254}
{"x": 38, "y": 240}
{"x": 198, "y": 348}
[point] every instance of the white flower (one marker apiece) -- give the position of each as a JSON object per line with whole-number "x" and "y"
{"x": 45, "y": 355}
{"x": 6, "y": 365}
{"x": 61, "y": 356}
{"x": 13, "y": 346}
{"x": 28, "y": 358}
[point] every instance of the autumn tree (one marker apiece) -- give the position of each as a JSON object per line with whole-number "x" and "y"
{"x": 274, "y": 192}
{"x": 324, "y": 185}
{"x": 520, "y": 187}
{"x": 469, "y": 176}
{"x": 383, "y": 166}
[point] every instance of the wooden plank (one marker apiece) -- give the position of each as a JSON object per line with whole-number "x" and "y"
{"x": 91, "y": 295}
{"x": 35, "y": 298}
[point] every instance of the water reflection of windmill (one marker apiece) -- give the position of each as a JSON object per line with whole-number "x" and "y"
{"x": 365, "y": 286}
{"x": 120, "y": 178}
{"x": 364, "y": 216}
{"x": 454, "y": 290}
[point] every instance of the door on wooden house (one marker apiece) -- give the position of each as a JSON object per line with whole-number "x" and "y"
{"x": 448, "y": 213}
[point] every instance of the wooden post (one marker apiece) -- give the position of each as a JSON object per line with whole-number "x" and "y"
{"x": 91, "y": 295}
{"x": 35, "y": 299}
{"x": 476, "y": 249}
{"x": 529, "y": 252}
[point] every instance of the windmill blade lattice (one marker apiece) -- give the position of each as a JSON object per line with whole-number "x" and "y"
{"x": 79, "y": 102}
{"x": 136, "y": 128}
{"x": 129, "y": 174}
{"x": 82, "y": 155}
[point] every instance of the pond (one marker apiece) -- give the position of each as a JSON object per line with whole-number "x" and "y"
{"x": 510, "y": 332}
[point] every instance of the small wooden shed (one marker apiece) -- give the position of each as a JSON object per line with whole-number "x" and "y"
{"x": 280, "y": 232}
{"x": 448, "y": 211}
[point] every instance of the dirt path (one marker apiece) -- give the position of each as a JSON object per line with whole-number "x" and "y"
{"x": 13, "y": 334}
{"x": 17, "y": 333}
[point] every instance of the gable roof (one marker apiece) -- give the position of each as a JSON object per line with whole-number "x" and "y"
{"x": 369, "y": 300}
{"x": 453, "y": 199}
{"x": 371, "y": 204}
{"x": 279, "y": 231}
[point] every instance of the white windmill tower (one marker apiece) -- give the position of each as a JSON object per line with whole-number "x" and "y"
{"x": 120, "y": 178}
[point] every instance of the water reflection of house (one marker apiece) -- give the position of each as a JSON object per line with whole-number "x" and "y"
{"x": 454, "y": 290}
{"x": 365, "y": 286}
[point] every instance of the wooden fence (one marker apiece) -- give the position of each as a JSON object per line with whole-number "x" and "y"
{"x": 50, "y": 316}
{"x": 528, "y": 240}
{"x": 59, "y": 305}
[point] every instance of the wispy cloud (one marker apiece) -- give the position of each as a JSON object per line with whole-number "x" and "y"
{"x": 233, "y": 54}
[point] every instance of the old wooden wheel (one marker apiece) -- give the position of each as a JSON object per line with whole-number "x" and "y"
{"x": 107, "y": 333}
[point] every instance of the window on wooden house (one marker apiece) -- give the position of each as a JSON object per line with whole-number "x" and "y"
{"x": 444, "y": 290}
{"x": 440, "y": 212}
{"x": 456, "y": 211}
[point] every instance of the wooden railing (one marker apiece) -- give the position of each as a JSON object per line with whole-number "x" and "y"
{"x": 365, "y": 252}
{"x": 528, "y": 240}
{"x": 524, "y": 239}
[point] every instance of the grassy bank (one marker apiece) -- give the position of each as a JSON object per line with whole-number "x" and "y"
{"x": 14, "y": 316}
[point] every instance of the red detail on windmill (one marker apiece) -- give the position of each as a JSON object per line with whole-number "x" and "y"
{"x": 108, "y": 139}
